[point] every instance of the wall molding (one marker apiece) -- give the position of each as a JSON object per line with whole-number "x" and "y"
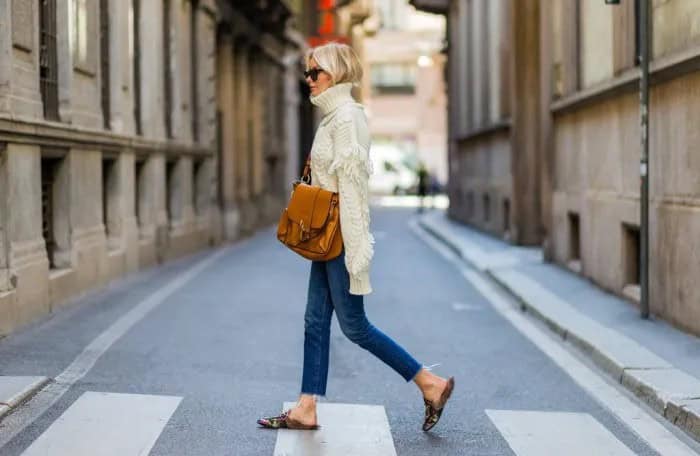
{"x": 662, "y": 70}
{"x": 42, "y": 133}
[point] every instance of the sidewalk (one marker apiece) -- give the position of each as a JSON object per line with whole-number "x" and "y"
{"x": 653, "y": 360}
{"x": 16, "y": 390}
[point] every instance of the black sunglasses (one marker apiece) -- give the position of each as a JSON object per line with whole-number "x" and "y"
{"x": 312, "y": 73}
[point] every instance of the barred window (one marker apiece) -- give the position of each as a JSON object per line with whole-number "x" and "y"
{"x": 393, "y": 78}
{"x": 48, "y": 61}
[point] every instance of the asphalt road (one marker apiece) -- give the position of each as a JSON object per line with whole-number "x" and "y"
{"x": 228, "y": 343}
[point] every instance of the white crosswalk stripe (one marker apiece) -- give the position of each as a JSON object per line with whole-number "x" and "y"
{"x": 346, "y": 429}
{"x": 533, "y": 433}
{"x": 106, "y": 424}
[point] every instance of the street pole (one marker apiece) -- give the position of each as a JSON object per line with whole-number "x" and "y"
{"x": 643, "y": 26}
{"x": 644, "y": 164}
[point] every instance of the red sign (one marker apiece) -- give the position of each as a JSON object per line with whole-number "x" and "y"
{"x": 326, "y": 27}
{"x": 319, "y": 40}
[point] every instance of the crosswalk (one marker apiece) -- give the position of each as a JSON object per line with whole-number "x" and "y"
{"x": 532, "y": 433}
{"x": 106, "y": 424}
{"x": 115, "y": 424}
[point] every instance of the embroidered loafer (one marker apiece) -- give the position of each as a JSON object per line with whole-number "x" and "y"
{"x": 433, "y": 411}
{"x": 284, "y": 421}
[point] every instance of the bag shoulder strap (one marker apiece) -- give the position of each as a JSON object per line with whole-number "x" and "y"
{"x": 306, "y": 175}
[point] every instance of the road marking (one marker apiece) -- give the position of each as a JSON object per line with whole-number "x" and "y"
{"x": 533, "y": 433}
{"x": 81, "y": 365}
{"x": 346, "y": 429}
{"x": 647, "y": 427}
{"x": 106, "y": 424}
{"x": 462, "y": 307}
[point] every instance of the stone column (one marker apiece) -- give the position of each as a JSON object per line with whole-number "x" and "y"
{"x": 5, "y": 54}
{"x": 4, "y": 273}
{"x": 126, "y": 210}
{"x": 65, "y": 59}
{"x": 525, "y": 132}
{"x": 243, "y": 132}
{"x": 26, "y": 251}
{"x": 86, "y": 238}
{"x": 121, "y": 91}
{"x": 151, "y": 45}
{"x": 256, "y": 108}
{"x": 227, "y": 134}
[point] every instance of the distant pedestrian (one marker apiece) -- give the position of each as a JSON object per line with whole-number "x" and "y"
{"x": 340, "y": 163}
{"x": 423, "y": 178}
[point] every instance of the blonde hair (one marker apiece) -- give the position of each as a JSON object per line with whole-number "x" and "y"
{"x": 339, "y": 60}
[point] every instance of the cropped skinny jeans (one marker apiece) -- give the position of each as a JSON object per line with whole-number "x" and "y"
{"x": 329, "y": 285}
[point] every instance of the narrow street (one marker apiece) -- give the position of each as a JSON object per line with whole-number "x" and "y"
{"x": 182, "y": 359}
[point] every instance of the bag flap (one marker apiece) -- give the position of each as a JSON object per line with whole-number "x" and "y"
{"x": 309, "y": 204}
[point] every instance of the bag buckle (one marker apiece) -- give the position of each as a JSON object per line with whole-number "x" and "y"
{"x": 305, "y": 235}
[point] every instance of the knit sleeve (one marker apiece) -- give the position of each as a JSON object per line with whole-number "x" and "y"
{"x": 352, "y": 166}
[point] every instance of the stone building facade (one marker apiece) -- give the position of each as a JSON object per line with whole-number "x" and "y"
{"x": 545, "y": 137}
{"x": 133, "y": 132}
{"x": 405, "y": 88}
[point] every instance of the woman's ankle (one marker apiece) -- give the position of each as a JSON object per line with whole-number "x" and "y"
{"x": 307, "y": 402}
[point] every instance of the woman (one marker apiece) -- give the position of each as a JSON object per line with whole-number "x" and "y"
{"x": 340, "y": 163}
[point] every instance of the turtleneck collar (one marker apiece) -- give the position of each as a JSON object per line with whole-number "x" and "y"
{"x": 333, "y": 97}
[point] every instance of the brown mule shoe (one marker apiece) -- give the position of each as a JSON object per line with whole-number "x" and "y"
{"x": 283, "y": 421}
{"x": 433, "y": 411}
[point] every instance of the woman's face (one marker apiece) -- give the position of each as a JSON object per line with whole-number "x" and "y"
{"x": 323, "y": 79}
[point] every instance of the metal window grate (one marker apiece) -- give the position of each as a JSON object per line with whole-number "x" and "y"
{"x": 48, "y": 61}
{"x": 167, "y": 69}
{"x": 47, "y": 183}
{"x": 138, "y": 189}
{"x": 136, "y": 17}
{"x": 194, "y": 64}
{"x": 104, "y": 63}
{"x": 170, "y": 179}
{"x": 108, "y": 170}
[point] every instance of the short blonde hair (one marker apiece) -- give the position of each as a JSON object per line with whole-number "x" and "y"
{"x": 339, "y": 60}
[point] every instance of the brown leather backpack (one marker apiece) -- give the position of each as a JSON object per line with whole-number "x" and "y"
{"x": 310, "y": 224}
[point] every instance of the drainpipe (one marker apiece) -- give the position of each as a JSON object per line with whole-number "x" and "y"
{"x": 644, "y": 161}
{"x": 644, "y": 165}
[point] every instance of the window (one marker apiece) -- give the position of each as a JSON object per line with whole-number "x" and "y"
{"x": 104, "y": 63}
{"x": 574, "y": 237}
{"x": 637, "y": 35}
{"x": 506, "y": 216}
{"x": 135, "y": 40}
{"x": 48, "y": 62}
{"x": 171, "y": 188}
{"x": 393, "y": 78}
{"x": 392, "y": 13}
{"x": 139, "y": 185}
{"x": 632, "y": 249}
{"x": 50, "y": 191}
{"x": 194, "y": 59}
{"x": 109, "y": 190}
{"x": 167, "y": 70}
{"x": 198, "y": 186}
{"x": 487, "y": 207}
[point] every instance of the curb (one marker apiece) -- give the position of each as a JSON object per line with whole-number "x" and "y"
{"x": 24, "y": 394}
{"x": 683, "y": 411}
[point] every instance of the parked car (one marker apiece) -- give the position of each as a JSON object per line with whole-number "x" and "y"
{"x": 391, "y": 175}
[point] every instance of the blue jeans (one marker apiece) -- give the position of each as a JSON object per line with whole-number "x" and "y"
{"x": 329, "y": 285}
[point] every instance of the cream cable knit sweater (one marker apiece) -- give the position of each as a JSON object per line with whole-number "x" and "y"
{"x": 340, "y": 163}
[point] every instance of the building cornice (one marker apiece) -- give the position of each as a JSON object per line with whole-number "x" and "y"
{"x": 662, "y": 70}
{"x": 42, "y": 133}
{"x": 482, "y": 132}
